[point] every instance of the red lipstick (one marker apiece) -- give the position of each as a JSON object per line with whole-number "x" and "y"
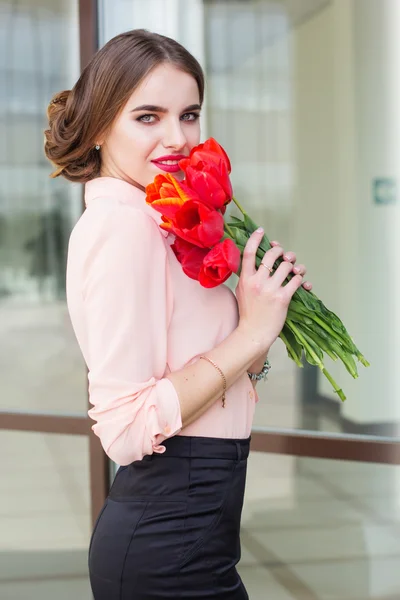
{"x": 169, "y": 163}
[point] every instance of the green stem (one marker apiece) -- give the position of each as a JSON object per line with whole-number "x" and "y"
{"x": 238, "y": 205}
{"x": 304, "y": 343}
{"x": 290, "y": 350}
{"x": 229, "y": 230}
{"x": 332, "y": 332}
{"x": 320, "y": 364}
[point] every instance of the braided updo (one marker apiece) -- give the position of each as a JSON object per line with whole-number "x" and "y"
{"x": 78, "y": 117}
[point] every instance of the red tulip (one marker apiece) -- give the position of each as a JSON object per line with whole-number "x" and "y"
{"x": 210, "y": 181}
{"x": 190, "y": 256}
{"x": 167, "y": 195}
{"x": 219, "y": 264}
{"x": 209, "y": 151}
{"x": 194, "y": 222}
{"x": 207, "y": 174}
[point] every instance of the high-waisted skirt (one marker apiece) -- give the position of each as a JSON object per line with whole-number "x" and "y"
{"x": 170, "y": 525}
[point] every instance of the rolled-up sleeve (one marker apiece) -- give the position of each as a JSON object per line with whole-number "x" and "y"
{"x": 126, "y": 311}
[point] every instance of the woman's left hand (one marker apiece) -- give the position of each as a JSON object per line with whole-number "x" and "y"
{"x": 297, "y": 269}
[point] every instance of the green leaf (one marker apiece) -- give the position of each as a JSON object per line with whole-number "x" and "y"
{"x": 294, "y": 349}
{"x": 237, "y": 226}
{"x": 250, "y": 225}
{"x": 322, "y": 343}
{"x": 238, "y": 222}
{"x": 240, "y": 237}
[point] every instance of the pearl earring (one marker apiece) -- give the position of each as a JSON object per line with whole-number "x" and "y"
{"x": 97, "y": 147}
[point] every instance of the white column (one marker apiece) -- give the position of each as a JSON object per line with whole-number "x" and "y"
{"x": 375, "y": 227}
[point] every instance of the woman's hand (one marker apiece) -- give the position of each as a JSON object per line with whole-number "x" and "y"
{"x": 297, "y": 269}
{"x": 263, "y": 300}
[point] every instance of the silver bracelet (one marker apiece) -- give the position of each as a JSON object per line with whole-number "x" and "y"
{"x": 262, "y": 374}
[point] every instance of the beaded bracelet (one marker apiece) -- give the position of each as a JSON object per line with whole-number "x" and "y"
{"x": 262, "y": 374}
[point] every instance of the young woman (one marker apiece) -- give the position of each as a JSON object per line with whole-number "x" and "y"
{"x": 178, "y": 425}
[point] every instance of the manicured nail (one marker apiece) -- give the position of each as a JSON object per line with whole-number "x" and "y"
{"x": 260, "y": 230}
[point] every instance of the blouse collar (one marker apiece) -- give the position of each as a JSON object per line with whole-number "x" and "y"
{"x": 110, "y": 187}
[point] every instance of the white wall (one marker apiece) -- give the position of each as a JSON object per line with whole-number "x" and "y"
{"x": 377, "y": 124}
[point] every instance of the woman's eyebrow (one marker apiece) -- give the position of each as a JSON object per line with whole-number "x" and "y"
{"x": 161, "y": 109}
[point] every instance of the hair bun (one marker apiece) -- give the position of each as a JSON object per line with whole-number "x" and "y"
{"x": 62, "y": 141}
{"x": 57, "y": 105}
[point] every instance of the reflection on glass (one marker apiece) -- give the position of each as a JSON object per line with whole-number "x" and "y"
{"x": 45, "y": 518}
{"x": 287, "y": 83}
{"x": 36, "y": 213}
{"x": 316, "y": 528}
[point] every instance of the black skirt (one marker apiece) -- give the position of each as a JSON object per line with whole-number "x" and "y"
{"x": 170, "y": 526}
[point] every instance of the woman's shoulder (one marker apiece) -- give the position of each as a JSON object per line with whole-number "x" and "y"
{"x": 109, "y": 216}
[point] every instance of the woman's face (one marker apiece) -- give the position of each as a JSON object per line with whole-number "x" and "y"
{"x": 158, "y": 126}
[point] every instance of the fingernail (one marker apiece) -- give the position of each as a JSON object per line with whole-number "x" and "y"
{"x": 260, "y": 230}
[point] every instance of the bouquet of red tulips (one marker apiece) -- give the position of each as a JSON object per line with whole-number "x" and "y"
{"x": 210, "y": 250}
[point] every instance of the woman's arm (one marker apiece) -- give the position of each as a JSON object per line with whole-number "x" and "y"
{"x": 199, "y": 385}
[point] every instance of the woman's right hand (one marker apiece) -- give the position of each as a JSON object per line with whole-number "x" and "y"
{"x": 263, "y": 300}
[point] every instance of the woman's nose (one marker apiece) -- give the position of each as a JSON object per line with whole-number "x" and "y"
{"x": 174, "y": 136}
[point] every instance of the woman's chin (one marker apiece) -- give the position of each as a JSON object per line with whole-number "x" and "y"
{"x": 180, "y": 175}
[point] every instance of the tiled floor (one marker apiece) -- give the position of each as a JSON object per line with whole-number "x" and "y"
{"x": 312, "y": 529}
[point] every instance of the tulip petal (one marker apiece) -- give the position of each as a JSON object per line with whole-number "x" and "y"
{"x": 182, "y": 190}
{"x": 190, "y": 256}
{"x": 198, "y": 224}
{"x": 207, "y": 187}
{"x": 168, "y": 206}
{"x": 167, "y": 195}
{"x": 219, "y": 264}
{"x": 212, "y": 145}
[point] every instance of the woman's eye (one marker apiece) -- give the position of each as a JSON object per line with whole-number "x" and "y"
{"x": 147, "y": 118}
{"x": 190, "y": 117}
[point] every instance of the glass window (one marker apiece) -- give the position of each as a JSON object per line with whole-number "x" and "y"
{"x": 41, "y": 368}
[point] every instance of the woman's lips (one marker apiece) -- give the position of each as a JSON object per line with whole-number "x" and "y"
{"x": 170, "y": 166}
{"x": 169, "y": 162}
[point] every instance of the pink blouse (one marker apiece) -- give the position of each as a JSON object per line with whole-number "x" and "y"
{"x": 137, "y": 317}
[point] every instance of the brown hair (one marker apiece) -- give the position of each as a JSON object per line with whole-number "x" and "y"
{"x": 79, "y": 116}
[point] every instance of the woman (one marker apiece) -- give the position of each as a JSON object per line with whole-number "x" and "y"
{"x": 179, "y": 426}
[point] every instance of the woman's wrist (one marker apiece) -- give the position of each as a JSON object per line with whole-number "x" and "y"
{"x": 259, "y": 347}
{"x": 257, "y": 365}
